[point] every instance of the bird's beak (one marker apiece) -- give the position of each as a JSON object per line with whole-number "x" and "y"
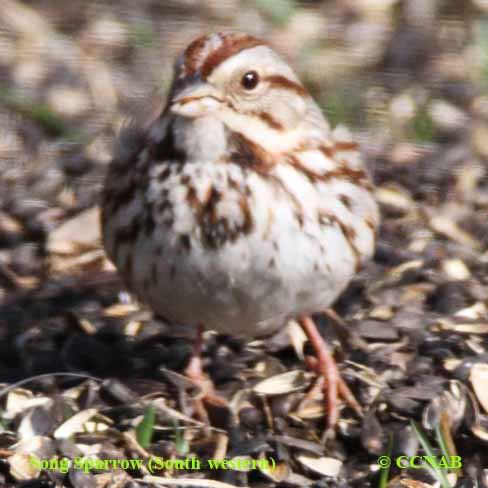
{"x": 196, "y": 101}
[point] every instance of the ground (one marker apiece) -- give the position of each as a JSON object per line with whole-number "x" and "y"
{"x": 410, "y": 334}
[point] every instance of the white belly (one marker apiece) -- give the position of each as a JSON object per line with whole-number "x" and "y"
{"x": 288, "y": 263}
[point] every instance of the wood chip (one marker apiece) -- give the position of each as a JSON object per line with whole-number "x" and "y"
{"x": 326, "y": 466}
{"x": 79, "y": 232}
{"x": 479, "y": 379}
{"x": 75, "y": 423}
{"x": 455, "y": 269}
{"x": 395, "y": 197}
{"x": 382, "y": 312}
{"x": 121, "y": 309}
{"x": 280, "y": 384}
{"x": 21, "y": 467}
{"x": 475, "y": 312}
{"x": 197, "y": 482}
{"x": 448, "y": 228}
{"x": 298, "y": 337}
{"x": 473, "y": 328}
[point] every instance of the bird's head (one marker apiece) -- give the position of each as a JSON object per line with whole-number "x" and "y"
{"x": 239, "y": 80}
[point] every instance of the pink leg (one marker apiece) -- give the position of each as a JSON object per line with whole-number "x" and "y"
{"x": 326, "y": 366}
{"x": 194, "y": 371}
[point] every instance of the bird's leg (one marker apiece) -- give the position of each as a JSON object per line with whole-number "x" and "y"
{"x": 326, "y": 366}
{"x": 194, "y": 371}
{"x": 342, "y": 387}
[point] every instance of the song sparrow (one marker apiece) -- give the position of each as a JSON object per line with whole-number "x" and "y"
{"x": 238, "y": 208}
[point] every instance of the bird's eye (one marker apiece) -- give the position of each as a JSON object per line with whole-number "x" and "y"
{"x": 250, "y": 80}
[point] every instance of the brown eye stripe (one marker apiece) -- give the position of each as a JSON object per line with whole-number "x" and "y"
{"x": 232, "y": 44}
{"x": 328, "y": 151}
{"x": 268, "y": 120}
{"x": 283, "y": 82}
{"x": 346, "y": 146}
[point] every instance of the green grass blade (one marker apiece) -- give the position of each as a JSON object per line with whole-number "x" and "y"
{"x": 145, "y": 429}
{"x": 438, "y": 472}
{"x": 386, "y": 471}
{"x": 182, "y": 447}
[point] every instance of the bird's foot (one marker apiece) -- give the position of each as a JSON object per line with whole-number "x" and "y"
{"x": 207, "y": 396}
{"x": 333, "y": 386}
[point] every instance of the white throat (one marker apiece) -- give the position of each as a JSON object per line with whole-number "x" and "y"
{"x": 202, "y": 138}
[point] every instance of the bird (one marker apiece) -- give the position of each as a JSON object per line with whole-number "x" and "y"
{"x": 237, "y": 207}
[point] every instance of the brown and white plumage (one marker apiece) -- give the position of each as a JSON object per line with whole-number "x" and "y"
{"x": 238, "y": 208}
